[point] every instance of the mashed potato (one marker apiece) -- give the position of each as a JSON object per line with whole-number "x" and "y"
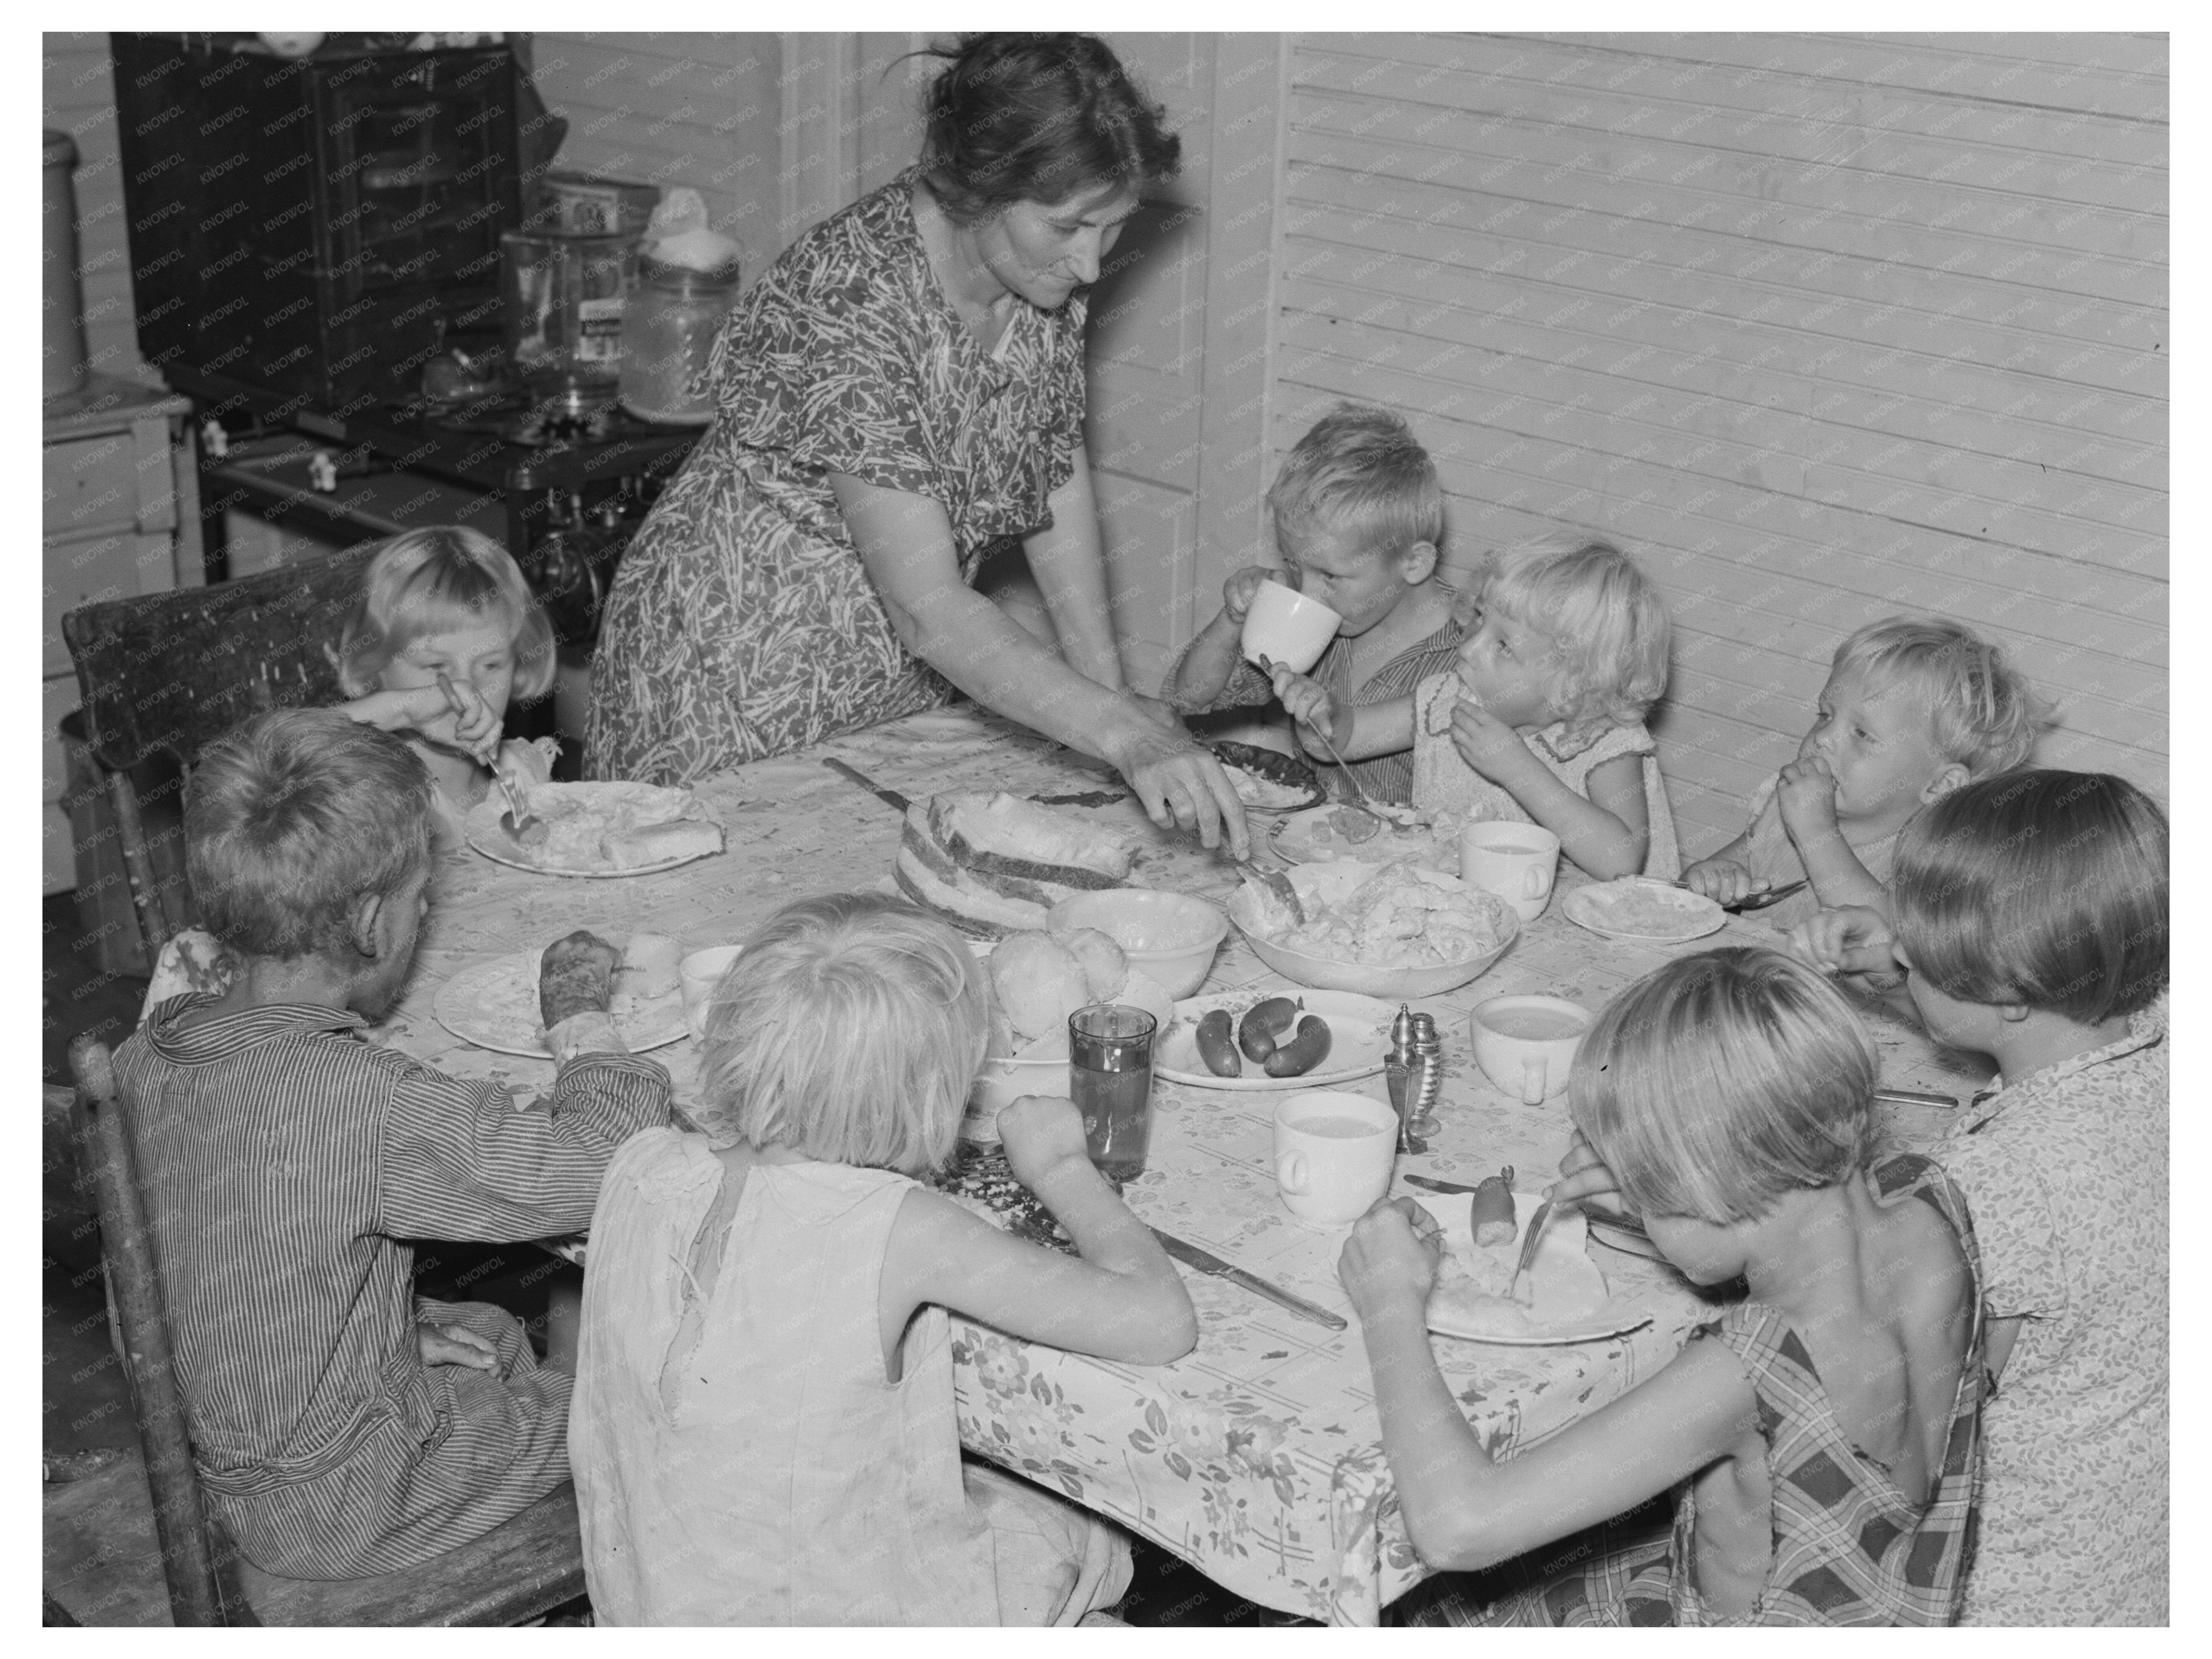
{"x": 1396, "y": 918}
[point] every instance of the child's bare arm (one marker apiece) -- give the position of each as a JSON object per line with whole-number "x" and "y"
{"x": 1122, "y": 1301}
{"x": 1724, "y": 877}
{"x": 1466, "y": 1511}
{"x": 1358, "y": 734}
{"x": 1807, "y": 796}
{"x": 1205, "y": 668}
{"x": 1606, "y": 834}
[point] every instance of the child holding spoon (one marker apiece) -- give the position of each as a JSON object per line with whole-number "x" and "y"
{"x": 445, "y": 634}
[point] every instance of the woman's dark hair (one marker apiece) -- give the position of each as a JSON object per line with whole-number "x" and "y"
{"x": 1037, "y": 117}
{"x": 2041, "y": 887}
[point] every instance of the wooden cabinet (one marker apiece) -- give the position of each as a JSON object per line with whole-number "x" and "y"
{"x": 120, "y": 515}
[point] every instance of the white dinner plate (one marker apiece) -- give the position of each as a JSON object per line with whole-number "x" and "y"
{"x": 1310, "y": 837}
{"x": 494, "y": 1004}
{"x": 1650, "y": 912}
{"x": 1358, "y": 1039}
{"x": 1623, "y": 1314}
{"x": 600, "y": 800}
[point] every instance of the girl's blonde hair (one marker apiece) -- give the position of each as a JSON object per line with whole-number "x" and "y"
{"x": 1608, "y": 627}
{"x": 850, "y": 1030}
{"x": 1981, "y": 713}
{"x": 431, "y": 581}
{"x": 1723, "y": 1080}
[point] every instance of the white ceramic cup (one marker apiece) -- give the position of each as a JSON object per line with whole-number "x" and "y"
{"x": 700, "y": 972}
{"x": 1284, "y": 626}
{"x": 1333, "y": 1154}
{"x": 1526, "y": 1044}
{"x": 1517, "y": 861}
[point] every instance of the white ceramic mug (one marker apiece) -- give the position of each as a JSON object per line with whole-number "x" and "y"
{"x": 700, "y": 972}
{"x": 1526, "y": 1044}
{"x": 1517, "y": 861}
{"x": 1285, "y": 627}
{"x": 1333, "y": 1154}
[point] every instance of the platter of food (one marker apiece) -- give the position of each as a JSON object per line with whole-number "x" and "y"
{"x": 1569, "y": 1300}
{"x": 1357, "y": 1040}
{"x": 1387, "y": 930}
{"x": 598, "y": 829}
{"x": 1323, "y": 834}
{"x": 1650, "y": 912}
{"x": 494, "y": 1004}
{"x": 1269, "y": 781}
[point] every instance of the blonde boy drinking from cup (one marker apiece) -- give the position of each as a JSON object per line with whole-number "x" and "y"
{"x": 1358, "y": 514}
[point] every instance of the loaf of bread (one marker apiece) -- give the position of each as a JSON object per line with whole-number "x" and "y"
{"x": 972, "y": 908}
{"x": 995, "y": 864}
{"x": 686, "y": 838}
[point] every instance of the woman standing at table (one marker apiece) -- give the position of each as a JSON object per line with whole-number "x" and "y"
{"x": 895, "y": 493}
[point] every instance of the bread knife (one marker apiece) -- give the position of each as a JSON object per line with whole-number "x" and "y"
{"x": 890, "y": 797}
{"x": 1206, "y": 1263}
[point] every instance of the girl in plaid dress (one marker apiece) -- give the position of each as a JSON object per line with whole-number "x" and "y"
{"x": 1822, "y": 1436}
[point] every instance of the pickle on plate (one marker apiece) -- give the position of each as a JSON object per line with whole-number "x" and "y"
{"x": 1265, "y": 1025}
{"x": 1304, "y": 1051}
{"x": 1217, "y": 1047}
{"x": 1490, "y": 1211}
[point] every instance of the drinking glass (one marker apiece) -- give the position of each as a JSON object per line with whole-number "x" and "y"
{"x": 1110, "y": 1079}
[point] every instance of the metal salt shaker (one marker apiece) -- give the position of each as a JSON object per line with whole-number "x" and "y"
{"x": 1425, "y": 1080}
{"x": 1399, "y": 1071}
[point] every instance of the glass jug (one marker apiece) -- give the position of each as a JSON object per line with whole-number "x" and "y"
{"x": 669, "y": 334}
{"x": 564, "y": 297}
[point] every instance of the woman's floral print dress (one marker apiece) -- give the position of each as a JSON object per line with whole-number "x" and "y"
{"x": 742, "y": 622}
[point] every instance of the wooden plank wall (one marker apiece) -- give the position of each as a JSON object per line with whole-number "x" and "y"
{"x": 1826, "y": 327}
{"x": 79, "y": 99}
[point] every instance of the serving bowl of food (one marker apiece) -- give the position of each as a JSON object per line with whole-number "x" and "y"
{"x": 1384, "y": 930}
{"x": 1170, "y": 936}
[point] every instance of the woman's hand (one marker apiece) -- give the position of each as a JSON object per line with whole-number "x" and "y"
{"x": 1584, "y": 1180}
{"x": 1854, "y": 939}
{"x": 1039, "y": 1131}
{"x": 1182, "y": 785}
{"x": 1390, "y": 1262}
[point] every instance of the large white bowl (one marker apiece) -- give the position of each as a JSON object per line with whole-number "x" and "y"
{"x": 1326, "y": 883}
{"x": 1170, "y": 936}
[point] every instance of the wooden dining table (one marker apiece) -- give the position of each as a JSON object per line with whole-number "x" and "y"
{"x": 1257, "y": 1457}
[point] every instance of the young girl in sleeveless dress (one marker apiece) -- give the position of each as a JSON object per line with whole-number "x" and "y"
{"x": 1542, "y": 720}
{"x": 1822, "y": 1436}
{"x": 765, "y": 1430}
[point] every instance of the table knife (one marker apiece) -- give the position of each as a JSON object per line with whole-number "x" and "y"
{"x": 1206, "y": 1263}
{"x": 1430, "y": 1184}
{"x": 890, "y": 797}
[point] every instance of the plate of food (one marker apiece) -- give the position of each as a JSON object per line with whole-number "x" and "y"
{"x": 1569, "y": 1300}
{"x": 1384, "y": 930}
{"x": 1269, "y": 781}
{"x": 494, "y": 1004}
{"x": 1322, "y": 835}
{"x": 1635, "y": 907}
{"x": 1241, "y": 1031}
{"x": 599, "y": 829}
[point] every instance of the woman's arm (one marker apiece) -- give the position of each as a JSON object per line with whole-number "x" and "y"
{"x": 1122, "y": 1301}
{"x": 1070, "y": 568}
{"x": 1463, "y": 1509}
{"x": 906, "y": 544}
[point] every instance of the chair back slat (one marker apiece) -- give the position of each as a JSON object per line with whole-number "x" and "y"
{"x": 169, "y": 672}
{"x": 180, "y": 1522}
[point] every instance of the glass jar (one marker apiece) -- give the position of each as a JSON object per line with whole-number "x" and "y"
{"x": 674, "y": 316}
{"x": 564, "y": 298}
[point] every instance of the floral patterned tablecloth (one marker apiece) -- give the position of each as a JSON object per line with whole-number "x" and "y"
{"x": 1258, "y": 1457}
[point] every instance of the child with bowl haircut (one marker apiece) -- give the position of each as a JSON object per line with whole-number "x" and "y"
{"x": 1820, "y": 1435}
{"x": 765, "y": 1427}
{"x": 1540, "y": 718}
{"x": 446, "y": 635}
{"x": 342, "y": 1425}
{"x": 1358, "y": 515}
{"x": 2029, "y": 910}
{"x": 1913, "y": 708}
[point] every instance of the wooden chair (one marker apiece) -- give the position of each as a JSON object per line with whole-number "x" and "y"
{"x": 517, "y": 1572}
{"x": 166, "y": 674}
